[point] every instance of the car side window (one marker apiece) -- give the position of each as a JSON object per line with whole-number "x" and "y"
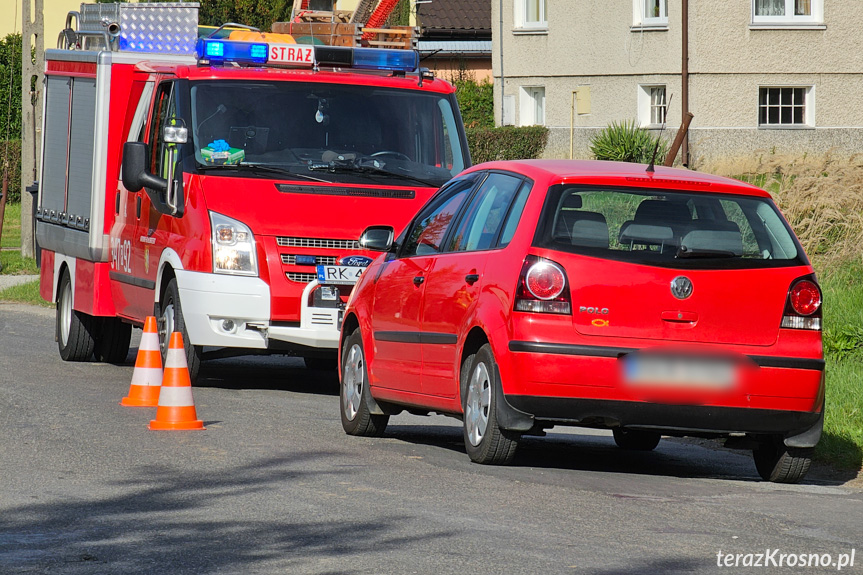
{"x": 514, "y": 215}
{"x": 164, "y": 108}
{"x": 485, "y": 215}
{"x": 430, "y": 227}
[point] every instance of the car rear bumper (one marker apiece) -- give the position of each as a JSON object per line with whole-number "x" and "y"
{"x": 584, "y": 385}
{"x": 683, "y": 419}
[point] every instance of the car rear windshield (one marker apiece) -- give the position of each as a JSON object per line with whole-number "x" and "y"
{"x": 668, "y": 228}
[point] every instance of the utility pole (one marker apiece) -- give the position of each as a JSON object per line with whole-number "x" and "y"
{"x": 33, "y": 38}
{"x": 684, "y": 81}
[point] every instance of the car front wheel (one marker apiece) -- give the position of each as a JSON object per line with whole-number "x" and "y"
{"x": 170, "y": 320}
{"x": 484, "y": 440}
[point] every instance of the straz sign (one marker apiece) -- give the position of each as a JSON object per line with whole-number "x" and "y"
{"x": 291, "y": 54}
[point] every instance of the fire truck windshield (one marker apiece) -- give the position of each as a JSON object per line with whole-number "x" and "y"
{"x": 342, "y": 132}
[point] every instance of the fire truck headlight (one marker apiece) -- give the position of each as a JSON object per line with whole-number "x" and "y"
{"x": 233, "y": 247}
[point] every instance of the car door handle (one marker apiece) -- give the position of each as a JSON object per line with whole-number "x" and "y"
{"x": 418, "y": 280}
{"x": 471, "y": 278}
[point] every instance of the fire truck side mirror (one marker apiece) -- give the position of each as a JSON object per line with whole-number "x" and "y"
{"x": 135, "y": 173}
{"x": 377, "y": 239}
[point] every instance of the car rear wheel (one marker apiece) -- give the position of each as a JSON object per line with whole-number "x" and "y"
{"x": 781, "y": 464}
{"x": 171, "y": 320}
{"x": 354, "y": 398}
{"x": 75, "y": 330}
{"x": 484, "y": 440}
{"x": 636, "y": 440}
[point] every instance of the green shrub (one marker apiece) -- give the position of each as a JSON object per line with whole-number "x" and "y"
{"x": 14, "y": 150}
{"x": 506, "y": 143}
{"x": 476, "y": 102}
{"x": 626, "y": 142}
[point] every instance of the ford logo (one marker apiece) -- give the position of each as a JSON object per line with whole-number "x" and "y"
{"x": 355, "y": 261}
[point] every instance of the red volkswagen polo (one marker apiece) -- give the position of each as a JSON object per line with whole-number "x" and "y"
{"x": 529, "y": 294}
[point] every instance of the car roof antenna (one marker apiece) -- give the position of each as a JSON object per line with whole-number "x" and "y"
{"x": 659, "y": 137}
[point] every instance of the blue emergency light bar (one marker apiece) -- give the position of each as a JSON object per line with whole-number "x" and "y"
{"x": 220, "y": 51}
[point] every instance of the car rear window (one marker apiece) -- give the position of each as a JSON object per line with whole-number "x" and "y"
{"x": 668, "y": 228}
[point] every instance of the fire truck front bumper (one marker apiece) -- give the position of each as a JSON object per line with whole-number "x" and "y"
{"x": 233, "y": 311}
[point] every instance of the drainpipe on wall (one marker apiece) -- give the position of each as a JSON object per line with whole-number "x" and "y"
{"x": 500, "y": 45}
{"x": 684, "y": 79}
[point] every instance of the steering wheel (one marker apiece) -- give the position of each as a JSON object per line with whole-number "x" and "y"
{"x": 392, "y": 153}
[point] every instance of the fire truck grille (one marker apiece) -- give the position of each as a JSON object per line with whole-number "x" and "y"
{"x": 291, "y": 242}
{"x": 301, "y": 277}
{"x": 291, "y": 260}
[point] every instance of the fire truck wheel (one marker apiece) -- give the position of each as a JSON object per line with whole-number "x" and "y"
{"x": 112, "y": 344}
{"x": 75, "y": 329}
{"x": 171, "y": 320}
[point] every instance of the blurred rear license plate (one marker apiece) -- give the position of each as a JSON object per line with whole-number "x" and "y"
{"x": 680, "y": 372}
{"x": 339, "y": 274}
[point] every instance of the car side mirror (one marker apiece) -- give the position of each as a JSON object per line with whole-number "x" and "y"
{"x": 135, "y": 173}
{"x": 377, "y": 238}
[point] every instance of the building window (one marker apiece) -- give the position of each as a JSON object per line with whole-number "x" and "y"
{"x": 532, "y": 106}
{"x": 785, "y": 106}
{"x": 652, "y": 105}
{"x": 530, "y": 14}
{"x": 650, "y": 13}
{"x": 787, "y": 11}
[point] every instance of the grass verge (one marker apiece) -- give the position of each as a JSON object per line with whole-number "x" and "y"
{"x": 24, "y": 293}
{"x": 14, "y": 264}
{"x": 11, "y": 227}
{"x": 842, "y": 442}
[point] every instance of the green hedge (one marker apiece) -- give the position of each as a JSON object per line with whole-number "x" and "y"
{"x": 14, "y": 147}
{"x": 506, "y": 143}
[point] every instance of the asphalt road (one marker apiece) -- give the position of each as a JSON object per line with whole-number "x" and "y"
{"x": 273, "y": 485}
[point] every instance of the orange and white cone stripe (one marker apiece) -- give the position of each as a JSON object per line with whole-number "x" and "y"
{"x": 176, "y": 405}
{"x": 147, "y": 376}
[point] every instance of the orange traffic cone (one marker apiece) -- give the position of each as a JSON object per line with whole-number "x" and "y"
{"x": 147, "y": 377}
{"x": 176, "y": 406}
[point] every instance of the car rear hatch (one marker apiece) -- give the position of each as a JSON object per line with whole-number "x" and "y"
{"x": 618, "y": 299}
{"x": 672, "y": 265}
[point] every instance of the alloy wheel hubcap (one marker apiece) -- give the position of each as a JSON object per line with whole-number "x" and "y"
{"x": 166, "y": 326}
{"x": 352, "y": 382}
{"x": 65, "y": 314}
{"x": 478, "y": 404}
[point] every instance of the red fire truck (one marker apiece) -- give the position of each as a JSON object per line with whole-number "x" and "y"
{"x": 222, "y": 186}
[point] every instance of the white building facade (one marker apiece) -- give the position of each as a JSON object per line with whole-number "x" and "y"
{"x": 764, "y": 76}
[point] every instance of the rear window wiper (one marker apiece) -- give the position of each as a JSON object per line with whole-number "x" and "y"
{"x": 254, "y": 167}
{"x": 687, "y": 252}
{"x": 369, "y": 166}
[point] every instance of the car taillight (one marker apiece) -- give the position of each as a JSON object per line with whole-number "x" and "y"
{"x": 542, "y": 288}
{"x": 803, "y": 306}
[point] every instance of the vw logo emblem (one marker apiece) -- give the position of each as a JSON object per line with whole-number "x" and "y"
{"x": 357, "y": 261}
{"x": 681, "y": 287}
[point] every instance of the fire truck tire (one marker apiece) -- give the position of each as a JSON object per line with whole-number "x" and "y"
{"x": 171, "y": 320}
{"x": 112, "y": 344}
{"x": 75, "y": 329}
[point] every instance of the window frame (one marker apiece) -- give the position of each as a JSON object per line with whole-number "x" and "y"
{"x": 808, "y": 107}
{"x": 521, "y": 16}
{"x": 789, "y": 19}
{"x": 528, "y": 106}
{"x": 646, "y": 106}
{"x": 640, "y": 19}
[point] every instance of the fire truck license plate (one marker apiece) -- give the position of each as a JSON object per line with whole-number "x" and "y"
{"x": 339, "y": 274}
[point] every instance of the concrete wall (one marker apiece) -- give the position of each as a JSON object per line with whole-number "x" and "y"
{"x": 54, "y": 12}
{"x": 595, "y": 44}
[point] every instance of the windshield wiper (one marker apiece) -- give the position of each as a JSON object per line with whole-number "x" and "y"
{"x": 255, "y": 167}
{"x": 368, "y": 166}
{"x": 688, "y": 252}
